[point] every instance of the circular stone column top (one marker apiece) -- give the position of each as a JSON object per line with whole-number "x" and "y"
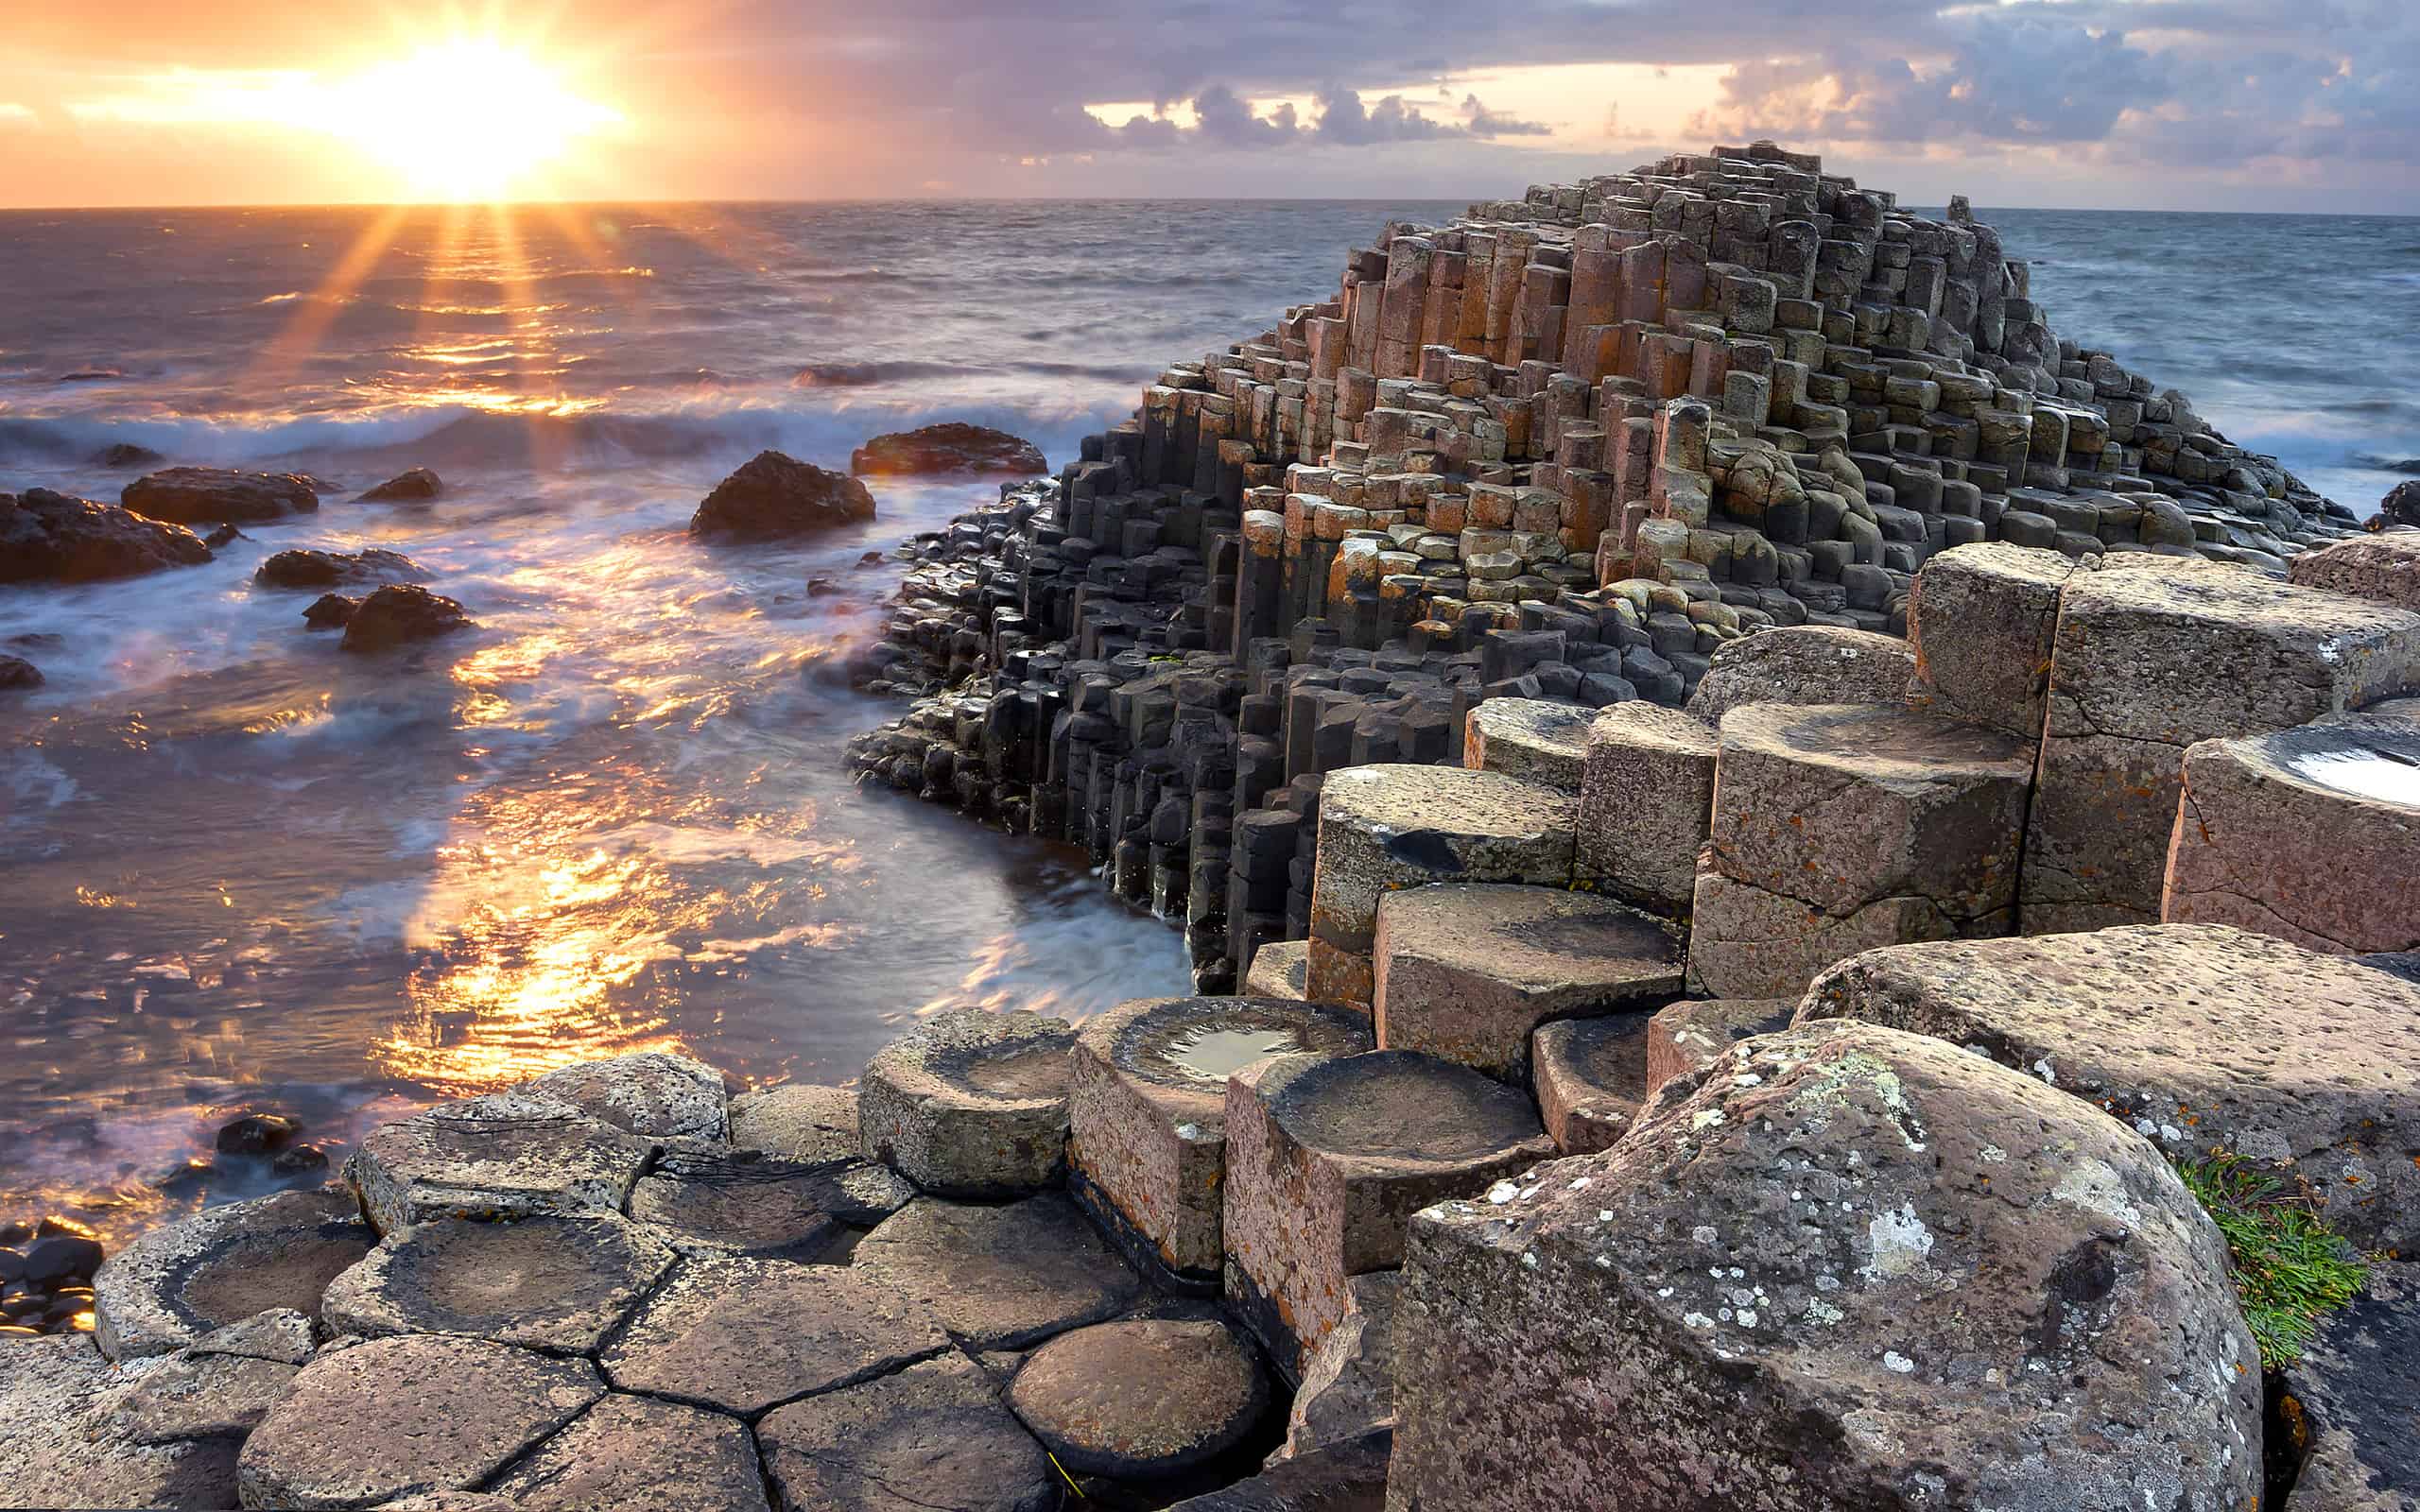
{"x": 222, "y": 1265}
{"x": 1182, "y": 1050}
{"x": 1399, "y": 1110}
{"x": 971, "y": 1103}
{"x": 1140, "y": 1399}
{"x": 547, "y": 1283}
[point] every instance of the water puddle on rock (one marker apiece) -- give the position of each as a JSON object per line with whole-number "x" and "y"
{"x": 1214, "y": 1055}
{"x": 2388, "y": 776}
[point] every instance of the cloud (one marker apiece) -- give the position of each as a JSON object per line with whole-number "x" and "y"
{"x": 1480, "y": 120}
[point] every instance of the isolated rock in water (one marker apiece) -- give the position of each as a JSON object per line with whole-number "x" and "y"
{"x": 49, "y": 537}
{"x": 209, "y": 495}
{"x": 16, "y": 672}
{"x": 773, "y": 495}
{"x": 126, "y": 453}
{"x": 414, "y": 486}
{"x": 952, "y": 446}
{"x": 399, "y": 614}
{"x": 223, "y": 536}
{"x": 330, "y": 612}
{"x": 257, "y": 1134}
{"x": 2401, "y": 506}
{"x": 325, "y": 569}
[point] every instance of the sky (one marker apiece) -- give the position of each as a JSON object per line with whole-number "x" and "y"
{"x": 2273, "y": 105}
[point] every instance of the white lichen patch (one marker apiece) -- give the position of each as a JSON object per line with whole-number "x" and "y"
{"x": 1899, "y": 1246}
{"x": 1897, "y": 1363}
{"x": 2093, "y": 1185}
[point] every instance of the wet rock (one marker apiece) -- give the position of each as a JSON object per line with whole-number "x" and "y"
{"x": 951, "y": 446}
{"x": 17, "y": 673}
{"x": 393, "y": 1418}
{"x": 60, "y": 1447}
{"x": 1147, "y": 1105}
{"x": 630, "y": 1452}
{"x": 49, "y": 537}
{"x": 126, "y": 453}
{"x": 218, "y": 1386}
{"x": 558, "y": 1284}
{"x": 1467, "y": 971}
{"x": 1140, "y": 1400}
{"x": 777, "y": 1209}
{"x": 971, "y": 1103}
{"x": 1001, "y": 1278}
{"x": 1646, "y": 801}
{"x": 1529, "y": 739}
{"x": 773, "y": 495}
{"x": 401, "y": 614}
{"x": 330, "y": 612}
{"x": 211, "y": 495}
{"x": 1849, "y": 1267}
{"x": 412, "y": 486}
{"x": 326, "y": 568}
{"x": 223, "y": 1264}
{"x": 1803, "y": 665}
{"x": 509, "y": 1155}
{"x": 798, "y": 1122}
{"x": 1348, "y": 1385}
{"x": 2195, "y": 1035}
{"x": 741, "y": 1336}
{"x": 1346, "y": 1477}
{"x": 2348, "y": 1405}
{"x": 1981, "y": 620}
{"x": 56, "y": 1257}
{"x": 256, "y": 1134}
{"x": 650, "y": 1093}
{"x": 1590, "y": 1077}
{"x": 1692, "y": 1035}
{"x": 223, "y": 536}
{"x": 932, "y": 1435}
{"x": 1326, "y": 1162}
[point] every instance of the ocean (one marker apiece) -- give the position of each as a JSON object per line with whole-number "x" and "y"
{"x": 239, "y": 870}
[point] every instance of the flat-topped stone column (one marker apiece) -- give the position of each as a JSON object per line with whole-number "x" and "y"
{"x": 1841, "y": 827}
{"x": 1467, "y": 969}
{"x": 971, "y": 1103}
{"x": 512, "y": 1155}
{"x": 224, "y": 1264}
{"x": 1694, "y": 1033}
{"x": 1386, "y": 828}
{"x": 1803, "y": 665}
{"x": 2312, "y": 835}
{"x": 1982, "y": 620}
{"x": 1646, "y": 805}
{"x": 1280, "y": 969}
{"x": 1590, "y": 1077}
{"x": 1147, "y": 1110}
{"x": 1530, "y": 739}
{"x": 1326, "y": 1162}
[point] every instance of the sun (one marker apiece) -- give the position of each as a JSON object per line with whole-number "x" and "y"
{"x": 471, "y": 118}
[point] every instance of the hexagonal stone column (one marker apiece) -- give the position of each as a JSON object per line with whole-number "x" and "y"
{"x": 971, "y": 1103}
{"x": 547, "y": 1283}
{"x": 1147, "y": 1103}
{"x": 781, "y": 1210}
{"x": 2197, "y": 1034}
{"x": 1646, "y": 804}
{"x": 1001, "y": 1277}
{"x": 1982, "y": 620}
{"x": 1326, "y": 1162}
{"x": 510, "y": 1155}
{"x": 932, "y": 1435}
{"x": 1467, "y": 969}
{"x": 222, "y": 1265}
{"x": 1280, "y": 969}
{"x": 1692, "y": 1033}
{"x": 628, "y": 1451}
{"x": 2150, "y": 660}
{"x": 798, "y": 1122}
{"x": 1841, "y": 827}
{"x": 1815, "y": 1279}
{"x": 650, "y": 1093}
{"x": 2312, "y": 835}
{"x": 1530, "y": 739}
{"x": 1142, "y": 1398}
{"x": 1386, "y": 828}
{"x": 218, "y": 1386}
{"x": 1590, "y": 1077}
{"x": 1805, "y": 664}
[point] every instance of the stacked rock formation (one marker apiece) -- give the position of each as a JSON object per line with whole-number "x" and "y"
{"x": 1568, "y": 447}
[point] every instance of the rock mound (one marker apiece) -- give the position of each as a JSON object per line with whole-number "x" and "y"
{"x": 400, "y": 615}
{"x": 17, "y": 673}
{"x": 326, "y": 568}
{"x": 415, "y": 486}
{"x": 126, "y": 453}
{"x": 952, "y": 446}
{"x": 773, "y": 495}
{"x": 215, "y": 495}
{"x": 49, "y": 537}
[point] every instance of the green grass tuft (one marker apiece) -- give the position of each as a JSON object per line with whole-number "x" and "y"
{"x": 2291, "y": 1269}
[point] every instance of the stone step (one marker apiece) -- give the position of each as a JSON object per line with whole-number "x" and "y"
{"x": 971, "y": 1103}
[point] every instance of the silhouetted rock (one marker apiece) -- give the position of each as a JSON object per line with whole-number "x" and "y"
{"x": 952, "y": 446}
{"x": 223, "y": 536}
{"x": 398, "y": 614}
{"x": 16, "y": 672}
{"x": 414, "y": 486}
{"x": 325, "y": 569}
{"x": 209, "y": 495}
{"x": 331, "y": 611}
{"x": 126, "y": 453}
{"x": 47, "y": 537}
{"x": 773, "y": 495}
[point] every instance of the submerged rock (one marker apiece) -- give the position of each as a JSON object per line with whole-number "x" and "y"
{"x": 416, "y": 486}
{"x": 126, "y": 453}
{"x": 399, "y": 614}
{"x": 773, "y": 495}
{"x": 47, "y": 537}
{"x": 325, "y": 569}
{"x": 211, "y": 495}
{"x": 16, "y": 672}
{"x": 952, "y": 446}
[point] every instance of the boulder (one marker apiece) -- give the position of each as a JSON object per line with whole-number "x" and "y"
{"x": 1348, "y": 1385}
{"x": 627, "y": 1451}
{"x": 331, "y": 611}
{"x": 62, "y": 1446}
{"x": 2384, "y": 567}
{"x": 2348, "y": 1405}
{"x": 212, "y": 495}
{"x": 1646, "y": 800}
{"x": 256, "y": 1134}
{"x": 773, "y": 495}
{"x": 1589, "y": 1076}
{"x": 559, "y": 1284}
{"x": 706, "y": 1204}
{"x": 951, "y": 446}
{"x": 932, "y": 1435}
{"x": 1530, "y": 739}
{"x": 1004, "y": 1277}
{"x": 412, "y": 486}
{"x": 401, "y": 614}
{"x": 798, "y": 1122}
{"x": 508, "y": 1155}
{"x": 17, "y": 674}
{"x": 1982, "y": 620}
{"x": 2198, "y": 1036}
{"x": 176, "y": 1283}
{"x": 2401, "y": 506}
{"x": 1141, "y": 1399}
{"x": 1695, "y": 1033}
{"x": 49, "y": 537}
{"x": 1804, "y": 664}
{"x": 125, "y": 455}
{"x": 392, "y": 1418}
{"x": 326, "y": 568}
{"x": 651, "y": 1094}
{"x": 971, "y": 1103}
{"x": 1846, "y": 1268}
{"x": 218, "y": 1386}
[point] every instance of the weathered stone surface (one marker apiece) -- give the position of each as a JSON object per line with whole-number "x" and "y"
{"x": 1281, "y": 969}
{"x": 2349, "y": 1404}
{"x": 1982, "y": 620}
{"x": 932, "y": 1435}
{"x": 773, "y": 495}
{"x": 1590, "y": 1077}
{"x": 798, "y": 1122}
{"x": 216, "y": 1388}
{"x": 1326, "y": 1162}
{"x": 1529, "y": 739}
{"x": 2383, "y": 567}
{"x": 393, "y": 1418}
{"x": 326, "y": 568}
{"x": 971, "y": 1103}
{"x": 1140, "y": 1399}
{"x": 1348, "y": 1385}
{"x": 60, "y": 1448}
{"x": 1467, "y": 971}
{"x": 2196, "y": 1035}
{"x": 210, "y": 495}
{"x": 627, "y": 1451}
{"x": 1745, "y": 939}
{"x": 743, "y": 1335}
{"x": 1694, "y": 1034}
{"x": 952, "y": 446}
{"x": 1389, "y": 826}
{"x": 543, "y": 1284}
{"x": 1001, "y": 1278}
{"x": 1847, "y": 1267}
{"x": 776, "y": 1208}
{"x": 1346, "y": 1477}
{"x": 1645, "y": 805}
{"x": 2312, "y": 835}
{"x": 47, "y": 537}
{"x": 509, "y": 1155}
{"x": 400, "y": 615}
{"x": 651, "y": 1094}
{"x": 223, "y": 1264}
{"x": 2147, "y": 662}
{"x": 1804, "y": 664}
{"x": 1147, "y": 1106}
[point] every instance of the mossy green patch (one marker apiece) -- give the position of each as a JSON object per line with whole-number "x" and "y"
{"x": 2290, "y": 1268}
